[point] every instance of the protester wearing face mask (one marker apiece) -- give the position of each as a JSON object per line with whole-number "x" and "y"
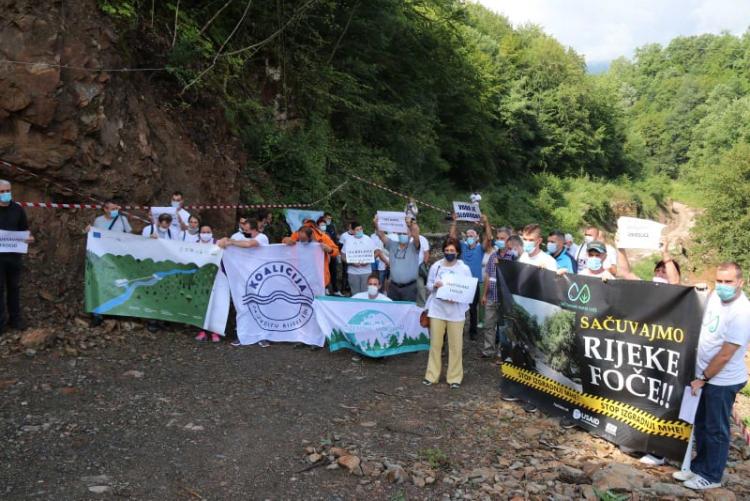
{"x": 720, "y": 374}
{"x": 310, "y": 233}
{"x": 206, "y": 237}
{"x": 597, "y": 256}
{"x": 162, "y": 229}
{"x": 405, "y": 256}
{"x": 514, "y": 248}
{"x": 472, "y": 254}
{"x": 181, "y": 216}
{"x": 191, "y": 234}
{"x": 494, "y": 321}
{"x": 373, "y": 290}
{"x": 591, "y": 234}
{"x": 357, "y": 272}
{"x": 12, "y": 218}
{"x": 532, "y": 253}
{"x": 556, "y": 249}
{"x": 446, "y": 317}
{"x": 111, "y": 219}
{"x": 381, "y": 260}
{"x": 249, "y": 235}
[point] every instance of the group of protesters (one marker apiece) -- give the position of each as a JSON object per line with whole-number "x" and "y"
{"x": 403, "y": 270}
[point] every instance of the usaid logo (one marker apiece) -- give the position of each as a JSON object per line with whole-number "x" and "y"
{"x": 586, "y": 418}
{"x": 279, "y": 297}
{"x": 580, "y": 294}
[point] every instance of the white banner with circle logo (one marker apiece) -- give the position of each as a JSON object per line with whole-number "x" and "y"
{"x": 273, "y": 290}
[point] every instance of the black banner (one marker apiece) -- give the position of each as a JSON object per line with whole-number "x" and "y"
{"x": 614, "y": 356}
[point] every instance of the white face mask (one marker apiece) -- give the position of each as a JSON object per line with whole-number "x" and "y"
{"x": 588, "y": 239}
{"x": 372, "y": 290}
{"x": 660, "y": 280}
{"x": 176, "y": 204}
{"x": 207, "y": 237}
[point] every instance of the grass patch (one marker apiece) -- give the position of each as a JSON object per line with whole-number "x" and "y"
{"x": 746, "y": 390}
{"x": 610, "y": 496}
{"x": 436, "y": 458}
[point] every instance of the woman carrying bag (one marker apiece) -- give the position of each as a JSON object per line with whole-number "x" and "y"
{"x": 446, "y": 317}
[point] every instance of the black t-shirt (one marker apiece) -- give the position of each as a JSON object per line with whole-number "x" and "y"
{"x": 13, "y": 218}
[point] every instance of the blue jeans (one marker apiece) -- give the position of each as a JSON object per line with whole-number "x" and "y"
{"x": 712, "y": 430}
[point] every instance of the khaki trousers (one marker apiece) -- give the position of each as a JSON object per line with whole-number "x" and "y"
{"x": 455, "y": 331}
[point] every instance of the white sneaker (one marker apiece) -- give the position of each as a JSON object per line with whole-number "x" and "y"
{"x": 264, "y": 344}
{"x": 699, "y": 483}
{"x": 682, "y": 476}
{"x": 651, "y": 460}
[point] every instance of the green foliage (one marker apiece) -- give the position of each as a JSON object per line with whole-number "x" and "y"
{"x": 436, "y": 458}
{"x": 122, "y": 9}
{"x": 610, "y": 495}
{"x": 557, "y": 341}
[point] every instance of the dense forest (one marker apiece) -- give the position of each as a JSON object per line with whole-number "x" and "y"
{"x": 440, "y": 97}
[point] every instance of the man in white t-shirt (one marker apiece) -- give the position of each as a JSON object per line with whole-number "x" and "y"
{"x": 381, "y": 260}
{"x": 720, "y": 374}
{"x": 373, "y": 290}
{"x": 162, "y": 229}
{"x": 532, "y": 253}
{"x": 357, "y": 273}
{"x": 593, "y": 234}
{"x": 249, "y": 235}
{"x": 181, "y": 217}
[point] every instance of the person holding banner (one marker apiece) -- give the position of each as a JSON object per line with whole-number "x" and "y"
{"x": 249, "y": 236}
{"x": 596, "y": 256}
{"x": 12, "y": 218}
{"x": 111, "y": 220}
{"x": 162, "y": 229}
{"x": 720, "y": 374}
{"x": 206, "y": 237}
{"x": 472, "y": 252}
{"x": 446, "y": 317}
{"x": 405, "y": 256}
{"x": 556, "y": 249}
{"x": 358, "y": 271}
{"x": 532, "y": 253}
{"x": 373, "y": 289}
{"x": 191, "y": 234}
{"x": 310, "y": 233}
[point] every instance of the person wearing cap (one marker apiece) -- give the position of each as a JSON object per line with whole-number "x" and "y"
{"x": 591, "y": 234}
{"x": 162, "y": 229}
{"x": 596, "y": 256}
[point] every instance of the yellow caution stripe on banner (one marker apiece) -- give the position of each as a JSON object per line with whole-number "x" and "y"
{"x": 632, "y": 416}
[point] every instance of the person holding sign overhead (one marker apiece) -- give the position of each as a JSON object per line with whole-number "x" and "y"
{"x": 12, "y": 219}
{"x": 358, "y": 253}
{"x": 446, "y": 317}
{"x": 405, "y": 256}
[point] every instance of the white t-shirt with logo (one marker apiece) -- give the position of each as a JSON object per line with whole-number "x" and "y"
{"x": 725, "y": 323}
{"x": 260, "y": 238}
{"x": 541, "y": 259}
{"x": 349, "y": 245}
{"x": 364, "y": 295}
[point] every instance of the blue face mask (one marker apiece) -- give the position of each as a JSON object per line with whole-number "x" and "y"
{"x": 450, "y": 257}
{"x": 594, "y": 263}
{"x": 528, "y": 247}
{"x": 471, "y": 241}
{"x": 725, "y": 292}
{"x": 552, "y": 248}
{"x": 403, "y": 239}
{"x": 359, "y": 234}
{"x": 5, "y": 197}
{"x": 114, "y": 213}
{"x": 499, "y": 244}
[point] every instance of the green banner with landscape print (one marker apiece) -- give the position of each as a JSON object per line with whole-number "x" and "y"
{"x": 134, "y": 276}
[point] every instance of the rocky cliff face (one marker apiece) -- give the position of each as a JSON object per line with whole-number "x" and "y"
{"x": 104, "y": 134}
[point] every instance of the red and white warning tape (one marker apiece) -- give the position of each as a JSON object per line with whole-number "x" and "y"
{"x": 743, "y": 427}
{"x": 406, "y": 197}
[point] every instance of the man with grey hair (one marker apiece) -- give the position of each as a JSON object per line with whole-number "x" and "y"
{"x": 12, "y": 218}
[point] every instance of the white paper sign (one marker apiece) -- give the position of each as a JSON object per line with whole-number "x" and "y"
{"x": 359, "y": 250}
{"x": 392, "y": 222}
{"x": 14, "y": 241}
{"x": 458, "y": 288}
{"x": 466, "y": 211}
{"x": 634, "y": 233}
{"x": 689, "y": 407}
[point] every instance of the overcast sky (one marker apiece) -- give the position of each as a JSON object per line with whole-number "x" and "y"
{"x": 603, "y": 30}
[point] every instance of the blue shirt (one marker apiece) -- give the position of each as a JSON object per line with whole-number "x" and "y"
{"x": 564, "y": 261}
{"x": 473, "y": 259}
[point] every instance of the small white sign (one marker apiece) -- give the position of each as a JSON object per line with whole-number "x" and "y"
{"x": 458, "y": 288}
{"x": 634, "y": 233}
{"x": 466, "y": 211}
{"x": 689, "y": 406}
{"x": 14, "y": 241}
{"x": 392, "y": 222}
{"x": 359, "y": 250}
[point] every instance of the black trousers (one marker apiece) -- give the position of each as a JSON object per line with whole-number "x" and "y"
{"x": 10, "y": 287}
{"x": 473, "y": 313}
{"x": 333, "y": 267}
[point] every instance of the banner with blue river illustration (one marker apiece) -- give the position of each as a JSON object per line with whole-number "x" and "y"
{"x": 273, "y": 290}
{"x": 371, "y": 328}
{"x": 133, "y": 276}
{"x": 615, "y": 356}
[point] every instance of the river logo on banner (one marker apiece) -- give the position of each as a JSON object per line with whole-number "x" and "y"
{"x": 279, "y": 297}
{"x": 711, "y": 322}
{"x": 582, "y": 294}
